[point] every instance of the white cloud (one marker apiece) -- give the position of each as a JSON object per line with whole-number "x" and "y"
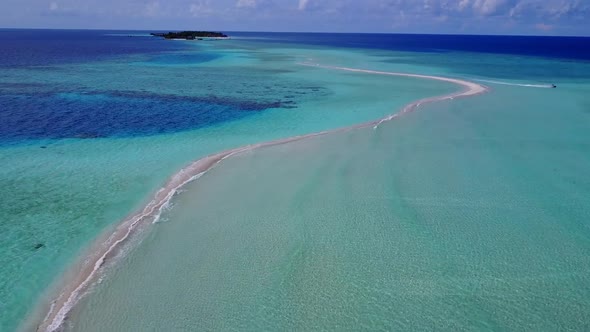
{"x": 246, "y": 4}
{"x": 488, "y": 7}
{"x": 325, "y": 15}
{"x": 463, "y": 4}
{"x": 303, "y": 4}
{"x": 200, "y": 8}
{"x": 568, "y": 8}
{"x": 550, "y": 9}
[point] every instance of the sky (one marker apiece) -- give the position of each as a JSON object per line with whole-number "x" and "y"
{"x": 514, "y": 17}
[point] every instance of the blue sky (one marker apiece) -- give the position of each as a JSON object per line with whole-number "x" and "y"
{"x": 548, "y": 17}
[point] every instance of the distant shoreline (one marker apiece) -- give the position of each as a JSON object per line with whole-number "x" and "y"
{"x": 191, "y": 35}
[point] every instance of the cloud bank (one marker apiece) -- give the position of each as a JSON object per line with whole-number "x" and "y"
{"x": 419, "y": 16}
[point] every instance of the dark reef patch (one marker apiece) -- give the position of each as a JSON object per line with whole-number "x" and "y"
{"x": 118, "y": 114}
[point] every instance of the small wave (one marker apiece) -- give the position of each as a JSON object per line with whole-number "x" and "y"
{"x": 543, "y": 86}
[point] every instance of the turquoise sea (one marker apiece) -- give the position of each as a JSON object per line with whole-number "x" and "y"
{"x": 466, "y": 214}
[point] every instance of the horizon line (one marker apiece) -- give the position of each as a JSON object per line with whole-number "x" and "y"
{"x": 302, "y": 32}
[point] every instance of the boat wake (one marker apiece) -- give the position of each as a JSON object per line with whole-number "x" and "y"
{"x": 87, "y": 273}
{"x": 542, "y": 86}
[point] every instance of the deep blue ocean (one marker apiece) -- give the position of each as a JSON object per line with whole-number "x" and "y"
{"x": 43, "y": 108}
{"x": 545, "y": 46}
{"x": 22, "y": 48}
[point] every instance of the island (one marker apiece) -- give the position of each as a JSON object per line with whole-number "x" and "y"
{"x": 190, "y": 35}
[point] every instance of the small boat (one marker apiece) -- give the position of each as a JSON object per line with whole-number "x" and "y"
{"x": 553, "y": 86}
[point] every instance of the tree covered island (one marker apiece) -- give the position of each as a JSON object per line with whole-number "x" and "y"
{"x": 190, "y": 35}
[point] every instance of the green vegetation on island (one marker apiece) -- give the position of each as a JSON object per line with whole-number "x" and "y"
{"x": 190, "y": 35}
